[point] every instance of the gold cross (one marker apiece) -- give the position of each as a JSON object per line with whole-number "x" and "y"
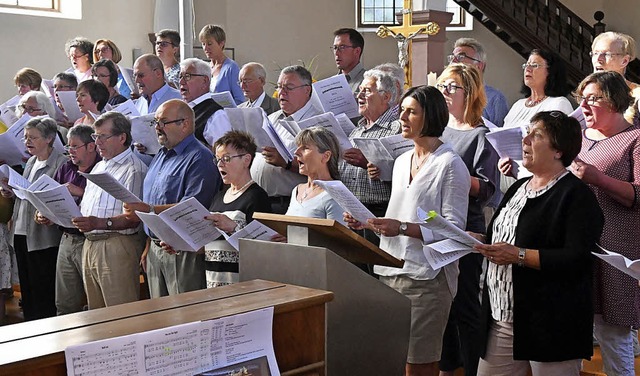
{"x": 403, "y": 34}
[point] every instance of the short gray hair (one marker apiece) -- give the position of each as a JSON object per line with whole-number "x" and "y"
{"x": 47, "y": 127}
{"x": 82, "y": 132}
{"x": 324, "y": 140}
{"x": 152, "y": 61}
{"x": 256, "y": 68}
{"x": 302, "y": 72}
{"x": 386, "y": 82}
{"x": 396, "y": 72}
{"x": 43, "y": 102}
{"x": 472, "y": 43}
{"x": 201, "y": 66}
{"x": 119, "y": 124}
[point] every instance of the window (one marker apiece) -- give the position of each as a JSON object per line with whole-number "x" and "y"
{"x": 372, "y": 13}
{"x": 71, "y": 9}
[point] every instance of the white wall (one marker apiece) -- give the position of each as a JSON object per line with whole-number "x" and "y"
{"x": 38, "y": 42}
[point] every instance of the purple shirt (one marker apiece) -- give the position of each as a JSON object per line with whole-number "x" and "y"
{"x": 68, "y": 173}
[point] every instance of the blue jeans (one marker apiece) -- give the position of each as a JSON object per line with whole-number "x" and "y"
{"x": 616, "y": 346}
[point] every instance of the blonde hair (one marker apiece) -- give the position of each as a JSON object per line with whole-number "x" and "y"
{"x": 116, "y": 55}
{"x": 475, "y": 98}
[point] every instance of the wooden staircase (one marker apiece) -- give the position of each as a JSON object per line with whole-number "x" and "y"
{"x": 543, "y": 24}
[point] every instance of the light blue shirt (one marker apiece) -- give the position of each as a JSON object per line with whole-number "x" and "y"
{"x": 497, "y": 107}
{"x": 161, "y": 95}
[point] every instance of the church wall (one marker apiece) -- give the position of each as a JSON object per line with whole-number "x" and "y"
{"x": 38, "y": 42}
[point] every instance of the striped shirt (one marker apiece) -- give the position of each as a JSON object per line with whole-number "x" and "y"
{"x": 356, "y": 178}
{"x": 127, "y": 169}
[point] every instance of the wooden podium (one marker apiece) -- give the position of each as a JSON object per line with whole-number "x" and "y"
{"x": 37, "y": 347}
{"x": 368, "y": 322}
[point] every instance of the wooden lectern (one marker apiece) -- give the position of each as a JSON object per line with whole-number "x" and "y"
{"x": 368, "y": 322}
{"x": 37, "y": 347}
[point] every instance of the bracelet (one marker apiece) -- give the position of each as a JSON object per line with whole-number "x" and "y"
{"x": 288, "y": 167}
{"x": 521, "y": 254}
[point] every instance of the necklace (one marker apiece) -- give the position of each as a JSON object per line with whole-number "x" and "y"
{"x": 307, "y": 191}
{"x": 535, "y": 192}
{"x": 417, "y": 165}
{"x": 241, "y": 188}
{"x": 530, "y": 102}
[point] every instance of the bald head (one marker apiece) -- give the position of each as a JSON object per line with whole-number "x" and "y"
{"x": 148, "y": 73}
{"x": 175, "y": 122}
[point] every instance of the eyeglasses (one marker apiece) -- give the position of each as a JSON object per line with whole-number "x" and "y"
{"x": 341, "y": 47}
{"x": 227, "y": 158}
{"x": 161, "y": 123}
{"x": 189, "y": 76}
{"x": 451, "y": 87}
{"x": 30, "y": 138}
{"x": 590, "y": 100}
{"x": 164, "y": 44}
{"x": 460, "y": 58}
{"x": 60, "y": 87}
{"x": 102, "y": 137}
{"x": 288, "y": 88}
{"x": 68, "y": 148}
{"x": 103, "y": 49}
{"x": 74, "y": 57}
{"x": 533, "y": 66}
{"x": 96, "y": 76}
{"x": 29, "y": 109}
{"x": 142, "y": 75}
{"x": 246, "y": 81}
{"x": 607, "y": 55}
{"x": 367, "y": 92}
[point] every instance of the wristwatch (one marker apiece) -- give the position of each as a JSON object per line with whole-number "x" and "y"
{"x": 109, "y": 223}
{"x": 403, "y": 228}
{"x": 522, "y": 252}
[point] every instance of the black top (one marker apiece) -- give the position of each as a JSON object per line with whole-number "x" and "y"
{"x": 553, "y": 306}
{"x": 254, "y": 199}
{"x": 203, "y": 112}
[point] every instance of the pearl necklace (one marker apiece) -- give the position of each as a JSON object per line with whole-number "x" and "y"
{"x": 241, "y": 188}
{"x": 530, "y": 102}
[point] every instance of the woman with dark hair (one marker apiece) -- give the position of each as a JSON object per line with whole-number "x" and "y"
{"x": 106, "y": 72}
{"x": 92, "y": 96}
{"x": 168, "y": 49}
{"x": 36, "y": 245}
{"x": 610, "y": 163}
{"x": 433, "y": 177}
{"x": 107, "y": 49}
{"x": 318, "y": 154}
{"x": 80, "y": 53}
{"x": 233, "y": 207}
{"x": 537, "y": 301}
{"x": 463, "y": 89}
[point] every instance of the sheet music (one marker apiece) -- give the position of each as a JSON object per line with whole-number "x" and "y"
{"x": 68, "y": 101}
{"x": 16, "y": 181}
{"x": 329, "y": 122}
{"x": 110, "y": 185}
{"x": 164, "y": 231}
{"x": 128, "y": 79}
{"x": 507, "y": 142}
{"x": 8, "y": 114}
{"x": 47, "y": 87}
{"x": 12, "y": 148}
{"x": 445, "y": 228}
{"x": 396, "y": 145}
{"x": 127, "y": 108}
{"x": 343, "y": 196}
{"x": 620, "y": 262}
{"x": 376, "y": 153}
{"x": 283, "y": 140}
{"x": 437, "y": 260}
{"x": 578, "y": 115}
{"x": 143, "y": 132}
{"x": 335, "y": 96}
{"x": 345, "y": 123}
{"x": 254, "y": 231}
{"x": 57, "y": 205}
{"x": 241, "y": 340}
{"x": 253, "y": 121}
{"x": 224, "y": 99}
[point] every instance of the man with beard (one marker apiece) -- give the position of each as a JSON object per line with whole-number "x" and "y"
{"x": 183, "y": 168}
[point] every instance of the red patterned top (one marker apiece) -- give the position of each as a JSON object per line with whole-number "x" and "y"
{"x": 617, "y": 295}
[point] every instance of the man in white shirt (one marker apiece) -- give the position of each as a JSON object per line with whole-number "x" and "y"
{"x": 211, "y": 120}
{"x": 112, "y": 249}
{"x": 252, "y": 78}
{"x": 148, "y": 74}
{"x": 269, "y": 169}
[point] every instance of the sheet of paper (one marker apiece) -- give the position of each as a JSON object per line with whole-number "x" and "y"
{"x": 345, "y": 123}
{"x": 47, "y": 87}
{"x": 127, "y": 108}
{"x": 335, "y": 96}
{"x": 578, "y": 115}
{"x": 254, "y": 231}
{"x": 284, "y": 141}
{"x": 507, "y": 142}
{"x": 238, "y": 342}
{"x": 110, "y": 185}
{"x": 224, "y": 99}
{"x": 164, "y": 231}
{"x": 396, "y": 145}
{"x": 329, "y": 122}
{"x": 445, "y": 228}
{"x": 437, "y": 260}
{"x": 59, "y": 203}
{"x": 343, "y": 196}
{"x": 128, "y": 78}
{"x": 450, "y": 245}
{"x": 8, "y": 114}
{"x": 489, "y": 124}
{"x": 143, "y": 132}
{"x": 68, "y": 101}
{"x": 620, "y": 262}
{"x": 187, "y": 219}
{"x": 252, "y": 121}
{"x": 16, "y": 181}
{"x": 377, "y": 154}
{"x": 12, "y": 151}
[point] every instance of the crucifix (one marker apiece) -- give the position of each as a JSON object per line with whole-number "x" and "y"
{"x": 403, "y": 34}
